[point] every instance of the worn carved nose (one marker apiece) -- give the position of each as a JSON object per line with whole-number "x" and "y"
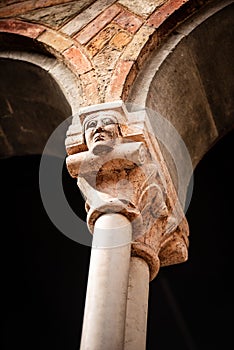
{"x": 99, "y": 128}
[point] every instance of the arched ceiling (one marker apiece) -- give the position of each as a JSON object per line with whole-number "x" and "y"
{"x": 189, "y": 80}
{"x": 32, "y": 105}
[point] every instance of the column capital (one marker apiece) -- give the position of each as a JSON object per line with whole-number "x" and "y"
{"x": 119, "y": 167}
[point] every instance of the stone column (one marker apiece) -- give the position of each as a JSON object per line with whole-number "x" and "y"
{"x": 137, "y": 305}
{"x": 120, "y": 170}
{"x": 105, "y": 306}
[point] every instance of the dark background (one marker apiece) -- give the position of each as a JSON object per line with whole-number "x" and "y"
{"x": 44, "y": 273}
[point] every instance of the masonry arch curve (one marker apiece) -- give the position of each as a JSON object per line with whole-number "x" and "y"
{"x": 37, "y": 93}
{"x": 32, "y": 105}
{"x": 189, "y": 80}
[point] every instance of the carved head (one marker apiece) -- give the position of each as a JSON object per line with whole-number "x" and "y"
{"x": 100, "y": 127}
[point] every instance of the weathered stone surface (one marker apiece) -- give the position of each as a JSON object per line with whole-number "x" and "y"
{"x": 110, "y": 38}
{"x": 120, "y": 40}
{"x": 128, "y": 21}
{"x": 212, "y": 46}
{"x": 21, "y": 28}
{"x": 139, "y": 40}
{"x": 142, "y": 8}
{"x": 120, "y": 169}
{"x": 11, "y": 9}
{"x": 120, "y": 75}
{"x": 183, "y": 99}
{"x": 159, "y": 16}
{"x": 21, "y": 7}
{"x": 8, "y": 2}
{"x": 102, "y": 39}
{"x": 104, "y": 63}
{"x": 69, "y": 84}
{"x": 77, "y": 60}
{"x": 77, "y": 23}
{"x": 56, "y": 16}
{"x": 90, "y": 88}
{"x": 55, "y": 40}
{"x": 98, "y": 24}
{"x": 40, "y": 60}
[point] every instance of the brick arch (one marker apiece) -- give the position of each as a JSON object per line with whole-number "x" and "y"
{"x": 189, "y": 80}
{"x": 32, "y": 105}
{"x": 107, "y": 42}
{"x": 50, "y": 42}
{"x": 151, "y": 34}
{"x": 38, "y": 91}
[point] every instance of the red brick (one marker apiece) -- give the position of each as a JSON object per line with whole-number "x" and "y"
{"x": 161, "y": 14}
{"x": 128, "y": 21}
{"x": 21, "y": 28}
{"x": 118, "y": 80}
{"x": 98, "y": 24}
{"x": 77, "y": 60}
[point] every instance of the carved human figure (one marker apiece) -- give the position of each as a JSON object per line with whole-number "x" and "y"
{"x": 122, "y": 176}
{"x": 100, "y": 128}
{"x": 116, "y": 172}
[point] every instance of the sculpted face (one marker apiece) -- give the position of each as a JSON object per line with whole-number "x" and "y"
{"x": 100, "y": 128}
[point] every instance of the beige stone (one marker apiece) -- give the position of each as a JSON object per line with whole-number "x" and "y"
{"x": 120, "y": 40}
{"x": 122, "y": 170}
{"x": 139, "y": 40}
{"x": 142, "y": 8}
{"x": 54, "y": 40}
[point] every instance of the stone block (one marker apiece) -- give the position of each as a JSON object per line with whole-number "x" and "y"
{"x": 104, "y": 63}
{"x": 77, "y": 60}
{"x": 98, "y": 24}
{"x": 86, "y": 16}
{"x": 57, "y": 15}
{"x": 90, "y": 88}
{"x": 101, "y": 39}
{"x": 161, "y": 14}
{"x": 142, "y": 8}
{"x": 120, "y": 40}
{"x": 128, "y": 21}
{"x": 55, "y": 40}
{"x": 139, "y": 40}
{"x": 115, "y": 89}
{"x": 21, "y": 28}
{"x": 15, "y": 8}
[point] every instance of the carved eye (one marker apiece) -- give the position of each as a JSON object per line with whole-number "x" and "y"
{"x": 91, "y": 124}
{"x": 108, "y": 121}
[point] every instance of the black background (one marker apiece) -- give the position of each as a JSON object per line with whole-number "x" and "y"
{"x": 44, "y": 273}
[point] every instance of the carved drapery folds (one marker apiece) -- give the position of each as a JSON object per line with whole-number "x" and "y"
{"x": 119, "y": 168}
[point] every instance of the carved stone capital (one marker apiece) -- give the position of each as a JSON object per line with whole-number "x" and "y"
{"x": 119, "y": 168}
